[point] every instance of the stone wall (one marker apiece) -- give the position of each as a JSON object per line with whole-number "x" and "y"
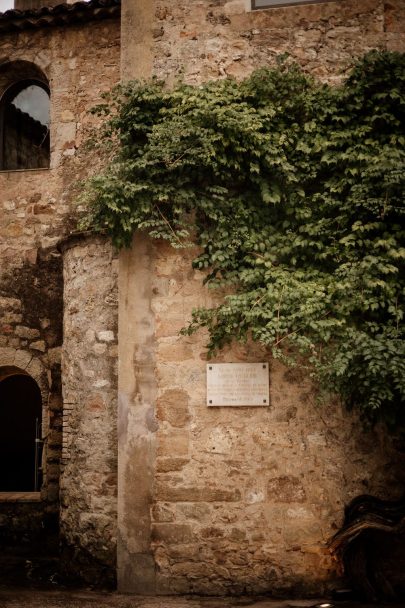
{"x": 232, "y": 500}
{"x": 210, "y": 500}
{"x": 37, "y": 205}
{"x": 205, "y": 40}
{"x": 36, "y": 209}
{"x": 247, "y": 498}
{"x": 89, "y": 368}
{"x": 30, "y": 339}
{"x": 219, "y": 500}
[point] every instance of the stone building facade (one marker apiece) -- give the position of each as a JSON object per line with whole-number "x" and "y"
{"x": 150, "y": 484}
{"x": 59, "y": 48}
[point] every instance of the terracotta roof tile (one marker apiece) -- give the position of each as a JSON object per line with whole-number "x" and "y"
{"x": 60, "y": 15}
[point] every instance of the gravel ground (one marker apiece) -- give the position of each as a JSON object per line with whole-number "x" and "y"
{"x": 17, "y": 598}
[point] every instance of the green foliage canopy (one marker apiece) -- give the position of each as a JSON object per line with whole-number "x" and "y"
{"x": 294, "y": 192}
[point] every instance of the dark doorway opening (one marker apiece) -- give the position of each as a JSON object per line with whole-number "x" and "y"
{"x": 20, "y": 434}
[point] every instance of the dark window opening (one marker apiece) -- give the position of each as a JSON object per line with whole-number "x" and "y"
{"x": 25, "y": 110}
{"x": 20, "y": 434}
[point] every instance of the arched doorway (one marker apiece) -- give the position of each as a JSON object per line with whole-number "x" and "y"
{"x": 20, "y": 432}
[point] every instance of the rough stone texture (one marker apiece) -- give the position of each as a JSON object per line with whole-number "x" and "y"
{"x": 246, "y": 498}
{"x": 210, "y": 500}
{"x": 89, "y": 367}
{"x": 206, "y": 40}
{"x": 242, "y": 500}
{"x": 30, "y": 339}
{"x": 35, "y": 211}
{"x": 35, "y": 205}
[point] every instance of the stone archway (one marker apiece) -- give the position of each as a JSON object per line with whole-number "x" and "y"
{"x": 22, "y": 361}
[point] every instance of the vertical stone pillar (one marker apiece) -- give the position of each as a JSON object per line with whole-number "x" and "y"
{"x": 136, "y": 39}
{"x": 136, "y": 401}
{"x": 89, "y": 454}
{"x": 136, "y": 420}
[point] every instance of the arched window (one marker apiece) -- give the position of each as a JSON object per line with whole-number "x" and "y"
{"x": 24, "y": 118}
{"x": 20, "y": 432}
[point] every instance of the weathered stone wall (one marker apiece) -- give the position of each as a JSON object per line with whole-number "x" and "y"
{"x": 207, "y": 40}
{"x": 246, "y": 498}
{"x": 30, "y": 338}
{"x": 211, "y": 500}
{"x": 232, "y": 500}
{"x": 79, "y": 62}
{"x": 89, "y": 369}
{"x": 227, "y": 500}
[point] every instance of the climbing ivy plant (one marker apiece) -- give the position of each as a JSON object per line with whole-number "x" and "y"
{"x": 294, "y": 192}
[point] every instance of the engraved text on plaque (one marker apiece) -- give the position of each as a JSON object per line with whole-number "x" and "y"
{"x": 237, "y": 384}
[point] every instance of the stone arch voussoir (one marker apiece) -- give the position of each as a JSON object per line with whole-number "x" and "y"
{"x": 19, "y": 361}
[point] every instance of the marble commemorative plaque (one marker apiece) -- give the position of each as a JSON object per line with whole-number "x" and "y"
{"x": 237, "y": 384}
